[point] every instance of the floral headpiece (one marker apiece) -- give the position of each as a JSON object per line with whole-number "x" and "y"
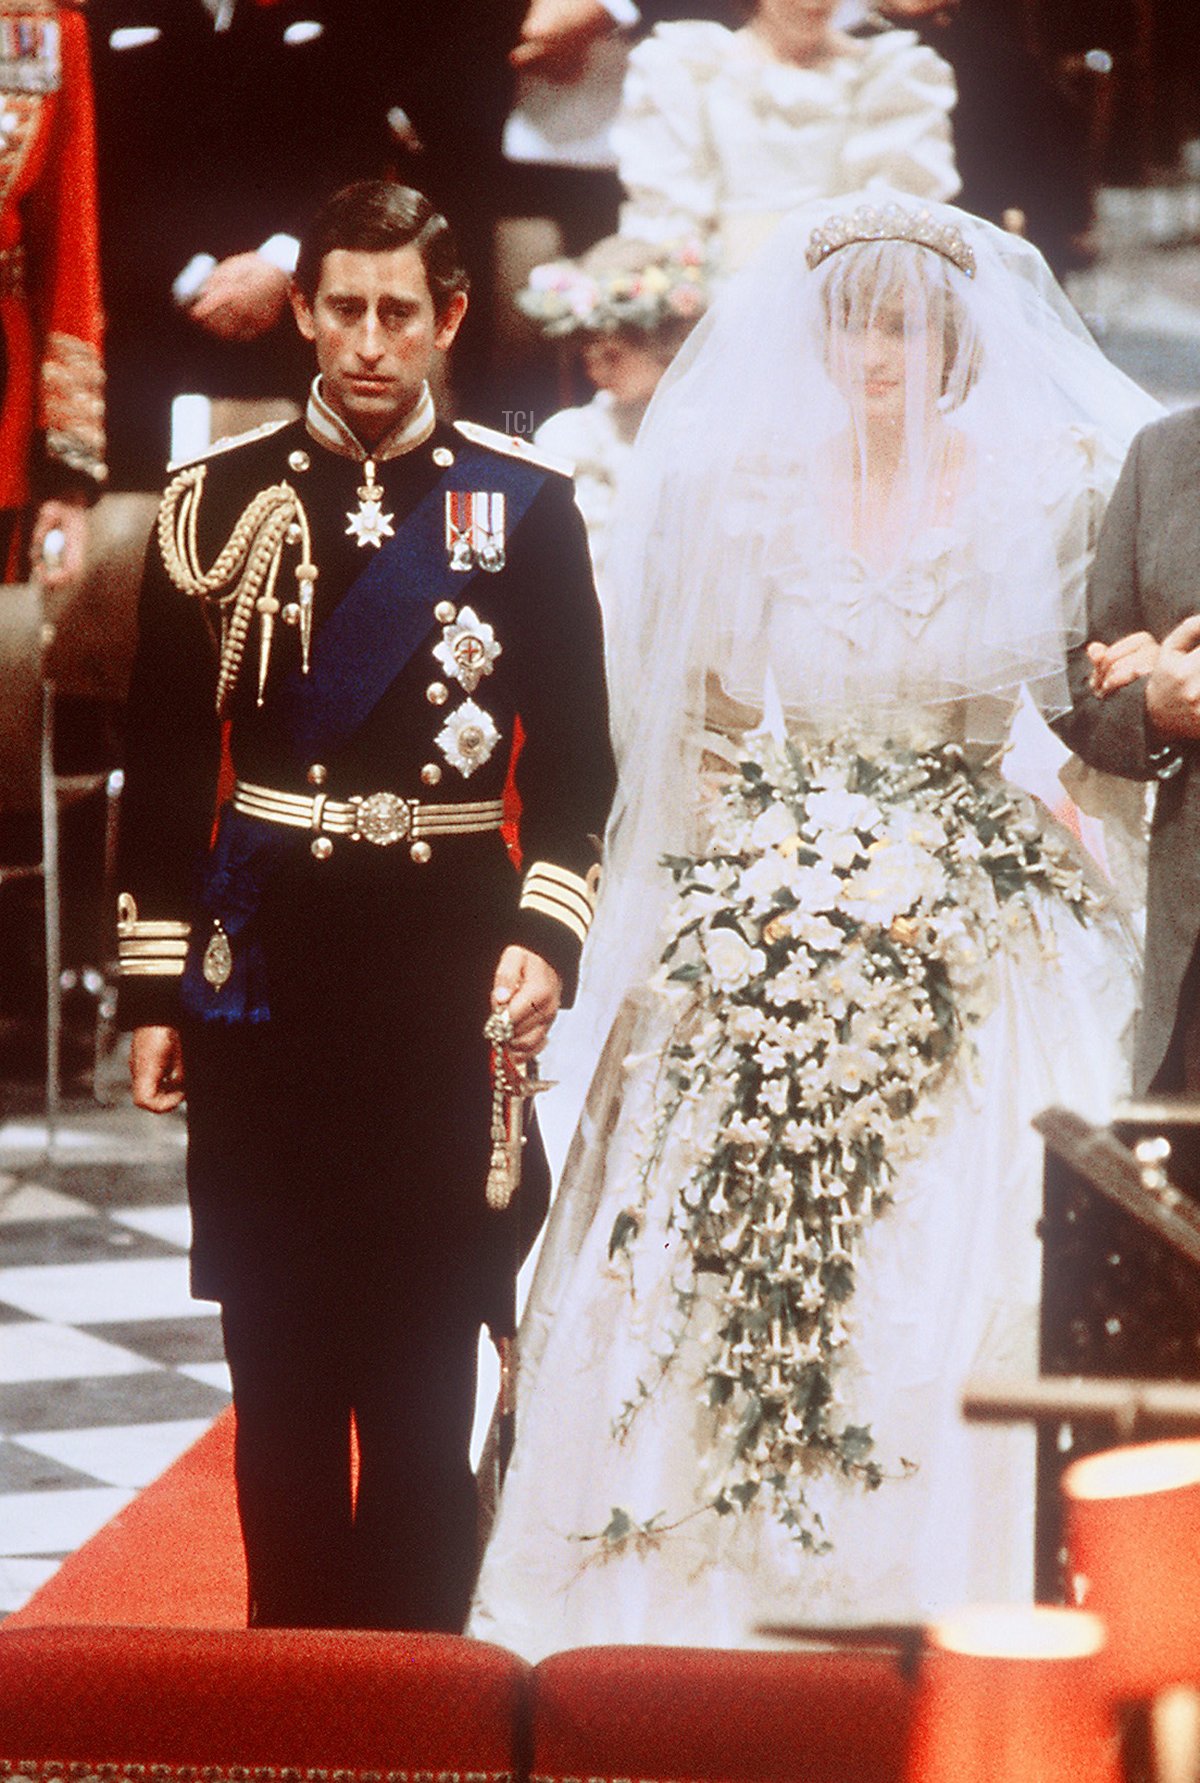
{"x": 891, "y": 223}
{"x": 666, "y": 286}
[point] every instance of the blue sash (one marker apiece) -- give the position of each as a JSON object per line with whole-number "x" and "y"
{"x": 362, "y": 647}
{"x": 372, "y": 633}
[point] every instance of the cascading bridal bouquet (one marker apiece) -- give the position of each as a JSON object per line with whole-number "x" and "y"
{"x": 828, "y": 952}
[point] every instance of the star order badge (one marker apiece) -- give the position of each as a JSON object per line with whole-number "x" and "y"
{"x": 475, "y": 529}
{"x": 368, "y": 523}
{"x": 468, "y": 649}
{"x": 468, "y": 738}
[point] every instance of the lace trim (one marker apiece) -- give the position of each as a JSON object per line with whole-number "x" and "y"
{"x": 73, "y": 404}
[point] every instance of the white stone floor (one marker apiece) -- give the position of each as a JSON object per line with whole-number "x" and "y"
{"x": 108, "y": 1370}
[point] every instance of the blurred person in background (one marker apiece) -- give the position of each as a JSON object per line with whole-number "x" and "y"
{"x": 626, "y": 310}
{"x": 723, "y": 132}
{"x": 222, "y": 124}
{"x": 1020, "y": 140}
{"x": 51, "y": 376}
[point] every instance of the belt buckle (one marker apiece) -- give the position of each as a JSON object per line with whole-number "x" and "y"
{"x": 382, "y": 818}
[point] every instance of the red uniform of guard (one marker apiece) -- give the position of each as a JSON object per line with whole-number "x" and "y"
{"x": 51, "y": 319}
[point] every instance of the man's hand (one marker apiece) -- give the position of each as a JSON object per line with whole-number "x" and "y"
{"x": 1173, "y": 689}
{"x": 58, "y": 544}
{"x": 557, "y": 35}
{"x": 531, "y": 990}
{"x": 1115, "y": 665}
{"x": 156, "y": 1069}
{"x": 241, "y": 298}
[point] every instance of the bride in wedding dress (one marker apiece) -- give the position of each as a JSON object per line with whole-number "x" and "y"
{"x": 839, "y": 962}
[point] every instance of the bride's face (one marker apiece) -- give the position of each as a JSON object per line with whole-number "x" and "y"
{"x": 878, "y": 352}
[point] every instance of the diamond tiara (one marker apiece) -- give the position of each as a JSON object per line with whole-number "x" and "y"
{"x": 891, "y": 223}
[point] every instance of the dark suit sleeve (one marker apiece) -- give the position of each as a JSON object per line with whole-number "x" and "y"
{"x": 565, "y": 773}
{"x": 171, "y": 759}
{"x": 1112, "y": 734}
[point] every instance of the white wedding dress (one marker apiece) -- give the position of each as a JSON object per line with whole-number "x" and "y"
{"x": 741, "y": 1364}
{"x": 947, "y": 1281}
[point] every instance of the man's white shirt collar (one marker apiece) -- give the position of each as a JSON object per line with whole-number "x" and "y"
{"x": 328, "y": 428}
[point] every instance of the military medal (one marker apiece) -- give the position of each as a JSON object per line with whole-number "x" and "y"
{"x": 475, "y": 529}
{"x": 468, "y": 649}
{"x": 458, "y": 528}
{"x": 489, "y": 549}
{"x": 217, "y": 964}
{"x": 368, "y": 523}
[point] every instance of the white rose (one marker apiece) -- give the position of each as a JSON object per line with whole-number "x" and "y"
{"x": 836, "y": 809}
{"x": 762, "y": 882}
{"x": 732, "y": 962}
{"x": 841, "y": 848}
{"x": 817, "y": 931}
{"x": 744, "y": 1025}
{"x": 774, "y": 825}
{"x": 816, "y": 888}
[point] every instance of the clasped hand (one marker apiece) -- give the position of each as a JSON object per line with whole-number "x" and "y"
{"x": 1172, "y": 671}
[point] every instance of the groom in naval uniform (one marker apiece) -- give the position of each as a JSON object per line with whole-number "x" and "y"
{"x": 366, "y": 638}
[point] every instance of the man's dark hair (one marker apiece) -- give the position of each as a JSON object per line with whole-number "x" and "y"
{"x": 373, "y": 217}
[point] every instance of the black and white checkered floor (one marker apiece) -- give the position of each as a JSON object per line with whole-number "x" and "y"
{"x": 108, "y": 1369}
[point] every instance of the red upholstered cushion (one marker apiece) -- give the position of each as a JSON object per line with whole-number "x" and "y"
{"x": 413, "y": 1704}
{"x": 658, "y": 1713}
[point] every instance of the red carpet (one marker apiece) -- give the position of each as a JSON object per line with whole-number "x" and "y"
{"x": 171, "y": 1559}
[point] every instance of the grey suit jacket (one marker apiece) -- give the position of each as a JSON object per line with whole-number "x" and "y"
{"x": 1146, "y": 577}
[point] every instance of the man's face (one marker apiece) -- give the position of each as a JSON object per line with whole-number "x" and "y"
{"x": 373, "y": 326}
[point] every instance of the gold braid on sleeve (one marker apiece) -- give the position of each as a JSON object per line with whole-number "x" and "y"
{"x": 243, "y": 579}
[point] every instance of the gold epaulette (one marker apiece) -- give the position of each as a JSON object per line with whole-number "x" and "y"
{"x": 513, "y": 446}
{"x": 230, "y": 444}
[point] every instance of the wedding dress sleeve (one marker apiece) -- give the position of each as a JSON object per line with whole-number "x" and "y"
{"x": 902, "y": 130}
{"x": 664, "y": 156}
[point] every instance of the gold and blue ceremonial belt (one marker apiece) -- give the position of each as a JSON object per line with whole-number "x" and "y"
{"x": 378, "y": 817}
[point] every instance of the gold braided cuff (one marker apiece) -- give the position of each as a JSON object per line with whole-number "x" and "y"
{"x": 556, "y": 892}
{"x": 149, "y": 949}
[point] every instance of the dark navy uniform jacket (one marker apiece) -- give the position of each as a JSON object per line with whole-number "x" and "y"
{"x": 349, "y": 1131}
